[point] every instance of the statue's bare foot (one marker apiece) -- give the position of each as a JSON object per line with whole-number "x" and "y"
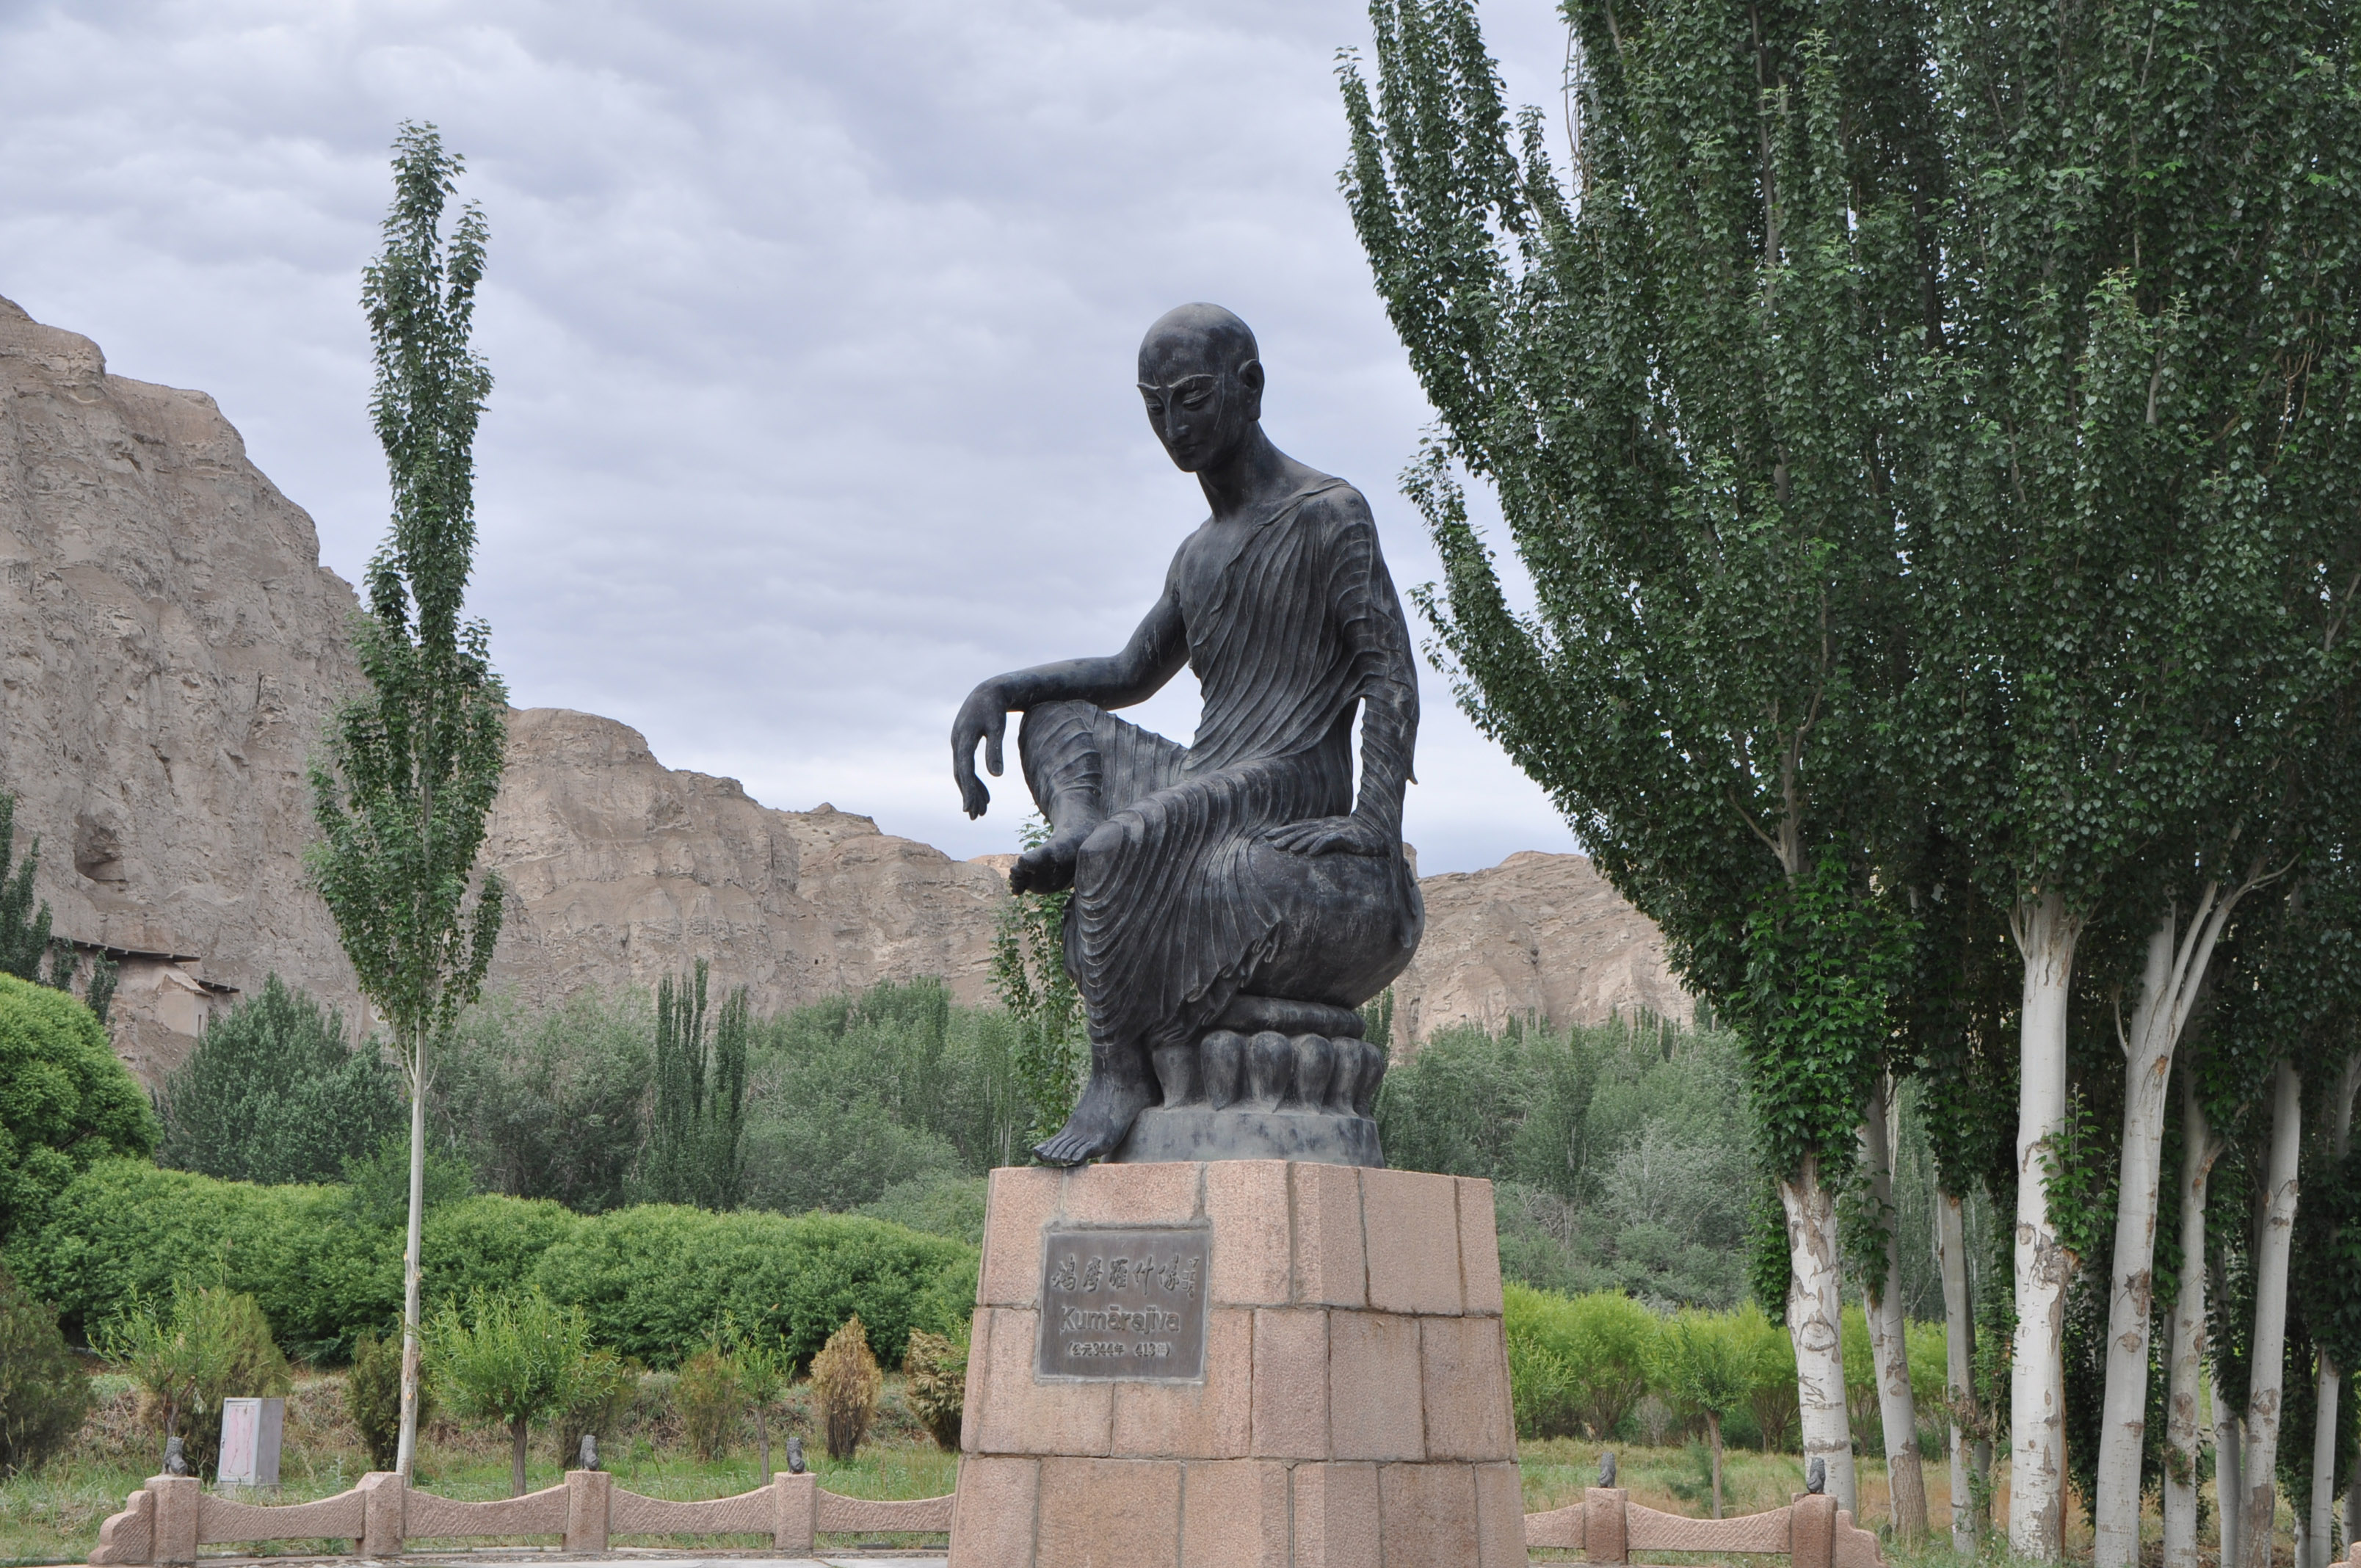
{"x": 1049, "y": 866}
{"x": 1107, "y": 1109}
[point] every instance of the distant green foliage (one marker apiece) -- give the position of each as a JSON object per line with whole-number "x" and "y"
{"x": 44, "y": 1392}
{"x": 373, "y": 1396}
{"x": 696, "y": 1147}
{"x": 1624, "y": 1151}
{"x": 548, "y": 1104}
{"x": 273, "y": 1093}
{"x": 205, "y": 1345}
{"x": 24, "y": 939}
{"x": 65, "y": 1101}
{"x": 377, "y": 1187}
{"x": 857, "y": 1094}
{"x": 950, "y": 1206}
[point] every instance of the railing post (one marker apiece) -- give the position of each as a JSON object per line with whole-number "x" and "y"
{"x": 1813, "y": 1531}
{"x": 587, "y": 1495}
{"x": 178, "y": 1497}
{"x": 1605, "y": 1532}
{"x": 382, "y": 1508}
{"x": 794, "y": 1504}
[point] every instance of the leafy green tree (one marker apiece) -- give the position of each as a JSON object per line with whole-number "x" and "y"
{"x": 549, "y": 1105}
{"x": 1684, "y": 378}
{"x": 24, "y": 939}
{"x": 514, "y": 1359}
{"x": 762, "y": 1367}
{"x": 273, "y": 1093}
{"x": 44, "y": 1392}
{"x": 65, "y": 1101}
{"x": 1711, "y": 1363}
{"x": 410, "y": 771}
{"x": 696, "y": 1149}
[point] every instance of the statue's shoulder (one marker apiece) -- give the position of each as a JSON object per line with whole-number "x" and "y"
{"x": 1335, "y": 506}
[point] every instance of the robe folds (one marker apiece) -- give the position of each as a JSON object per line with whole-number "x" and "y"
{"x": 1178, "y": 902}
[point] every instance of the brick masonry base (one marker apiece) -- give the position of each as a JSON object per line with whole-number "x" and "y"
{"x": 1354, "y": 1408}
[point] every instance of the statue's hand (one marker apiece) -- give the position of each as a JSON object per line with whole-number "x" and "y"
{"x": 983, "y": 717}
{"x": 1333, "y": 835}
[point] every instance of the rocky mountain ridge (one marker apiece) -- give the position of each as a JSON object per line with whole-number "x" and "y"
{"x": 169, "y": 645}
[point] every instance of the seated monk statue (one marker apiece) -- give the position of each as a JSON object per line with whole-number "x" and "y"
{"x": 1234, "y": 883}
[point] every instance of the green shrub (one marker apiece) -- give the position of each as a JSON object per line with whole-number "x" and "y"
{"x": 548, "y": 1105}
{"x": 846, "y": 1382}
{"x": 65, "y": 1101}
{"x": 44, "y": 1392}
{"x": 1585, "y": 1358}
{"x": 653, "y": 1279}
{"x": 709, "y": 1397}
{"x": 273, "y": 1094}
{"x": 373, "y": 1396}
{"x": 211, "y": 1344}
{"x": 511, "y": 1359}
{"x": 936, "y": 1370}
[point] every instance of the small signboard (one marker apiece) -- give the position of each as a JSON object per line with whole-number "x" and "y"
{"x": 251, "y": 1433}
{"x": 1123, "y": 1306}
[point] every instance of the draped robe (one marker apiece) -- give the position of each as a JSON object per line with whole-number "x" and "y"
{"x": 1177, "y": 904}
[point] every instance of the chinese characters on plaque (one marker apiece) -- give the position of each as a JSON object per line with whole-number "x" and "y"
{"x": 1123, "y": 1306}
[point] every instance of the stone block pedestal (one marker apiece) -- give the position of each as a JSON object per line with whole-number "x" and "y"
{"x": 1352, "y": 1406}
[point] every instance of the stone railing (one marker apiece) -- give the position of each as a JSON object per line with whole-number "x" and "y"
{"x": 166, "y": 1520}
{"x": 1607, "y": 1526}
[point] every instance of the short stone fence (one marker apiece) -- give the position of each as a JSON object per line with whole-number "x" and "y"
{"x": 1607, "y": 1526}
{"x": 166, "y": 1520}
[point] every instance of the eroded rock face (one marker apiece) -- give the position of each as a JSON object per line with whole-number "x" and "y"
{"x": 1539, "y": 935}
{"x": 170, "y": 646}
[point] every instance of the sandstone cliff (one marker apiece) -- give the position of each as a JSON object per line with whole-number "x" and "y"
{"x": 169, "y": 646}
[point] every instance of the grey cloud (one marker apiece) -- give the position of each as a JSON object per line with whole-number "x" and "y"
{"x": 812, "y": 326}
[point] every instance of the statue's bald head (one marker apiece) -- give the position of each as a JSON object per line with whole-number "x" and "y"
{"x": 1207, "y": 336}
{"x": 1201, "y": 377}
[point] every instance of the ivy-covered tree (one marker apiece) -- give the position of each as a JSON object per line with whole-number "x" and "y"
{"x": 2137, "y": 556}
{"x": 409, "y": 771}
{"x": 1685, "y": 374}
{"x": 1030, "y": 977}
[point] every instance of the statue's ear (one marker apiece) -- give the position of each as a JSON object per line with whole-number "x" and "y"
{"x": 1250, "y": 378}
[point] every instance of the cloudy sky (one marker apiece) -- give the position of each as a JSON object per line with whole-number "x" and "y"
{"x": 812, "y": 325}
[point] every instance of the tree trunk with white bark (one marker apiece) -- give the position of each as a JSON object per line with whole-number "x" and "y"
{"x": 2183, "y": 1430}
{"x": 2273, "y": 1241}
{"x": 2046, "y": 935}
{"x": 2329, "y": 1386}
{"x": 2169, "y": 983}
{"x": 406, "y": 1449}
{"x": 1889, "y": 1347}
{"x": 1814, "y": 1300}
{"x": 1958, "y": 1373}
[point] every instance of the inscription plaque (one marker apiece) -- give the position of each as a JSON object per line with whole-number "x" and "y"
{"x": 1123, "y": 1306}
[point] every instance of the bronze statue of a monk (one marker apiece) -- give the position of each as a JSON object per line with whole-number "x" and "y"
{"x": 1235, "y": 884}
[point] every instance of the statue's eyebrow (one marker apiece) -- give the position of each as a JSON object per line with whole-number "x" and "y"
{"x": 1184, "y": 383}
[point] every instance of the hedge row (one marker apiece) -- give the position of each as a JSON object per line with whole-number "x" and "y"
{"x": 653, "y": 1279}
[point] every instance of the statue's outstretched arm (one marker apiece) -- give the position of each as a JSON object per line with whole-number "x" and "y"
{"x": 1152, "y": 657}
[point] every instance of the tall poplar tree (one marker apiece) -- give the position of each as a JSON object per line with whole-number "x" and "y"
{"x": 1684, "y": 374}
{"x": 410, "y": 771}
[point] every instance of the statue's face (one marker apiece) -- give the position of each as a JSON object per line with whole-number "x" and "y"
{"x": 1200, "y": 408}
